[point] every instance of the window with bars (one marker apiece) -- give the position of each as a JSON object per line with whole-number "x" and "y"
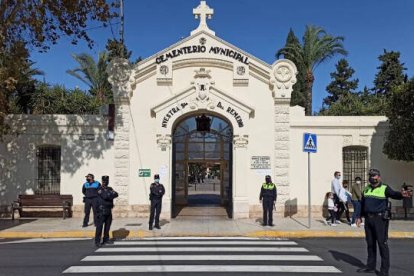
{"x": 48, "y": 170}
{"x": 355, "y": 163}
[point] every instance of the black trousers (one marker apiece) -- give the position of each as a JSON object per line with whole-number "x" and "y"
{"x": 267, "y": 211}
{"x": 90, "y": 203}
{"x": 341, "y": 209}
{"x": 103, "y": 221}
{"x": 156, "y": 205}
{"x": 376, "y": 232}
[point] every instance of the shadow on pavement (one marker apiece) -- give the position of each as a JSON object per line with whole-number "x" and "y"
{"x": 8, "y": 223}
{"x": 339, "y": 256}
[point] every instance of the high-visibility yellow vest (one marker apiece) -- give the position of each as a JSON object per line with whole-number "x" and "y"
{"x": 269, "y": 186}
{"x": 378, "y": 192}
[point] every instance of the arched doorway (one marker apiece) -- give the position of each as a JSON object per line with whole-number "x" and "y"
{"x": 202, "y": 164}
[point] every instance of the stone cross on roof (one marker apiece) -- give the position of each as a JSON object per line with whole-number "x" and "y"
{"x": 203, "y": 12}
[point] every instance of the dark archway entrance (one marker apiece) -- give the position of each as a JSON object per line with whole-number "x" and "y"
{"x": 202, "y": 167}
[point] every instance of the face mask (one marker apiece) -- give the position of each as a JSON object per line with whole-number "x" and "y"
{"x": 373, "y": 180}
{"x": 157, "y": 181}
{"x": 358, "y": 182}
{"x": 338, "y": 177}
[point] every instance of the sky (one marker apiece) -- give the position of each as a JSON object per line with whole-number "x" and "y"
{"x": 259, "y": 27}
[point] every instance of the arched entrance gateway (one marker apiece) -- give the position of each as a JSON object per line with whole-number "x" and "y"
{"x": 202, "y": 166}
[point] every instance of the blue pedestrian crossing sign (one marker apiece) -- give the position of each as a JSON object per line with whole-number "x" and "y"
{"x": 310, "y": 143}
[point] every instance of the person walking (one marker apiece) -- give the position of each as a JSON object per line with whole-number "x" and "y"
{"x": 268, "y": 195}
{"x": 106, "y": 196}
{"x": 356, "y": 200}
{"x": 336, "y": 188}
{"x": 331, "y": 219}
{"x": 346, "y": 199}
{"x": 374, "y": 207}
{"x": 90, "y": 192}
{"x": 157, "y": 191}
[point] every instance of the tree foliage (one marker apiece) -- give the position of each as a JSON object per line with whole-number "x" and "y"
{"x": 390, "y": 73}
{"x": 317, "y": 47}
{"x": 94, "y": 75}
{"x": 299, "y": 92}
{"x": 40, "y": 23}
{"x": 59, "y": 100}
{"x": 399, "y": 139}
{"x": 342, "y": 83}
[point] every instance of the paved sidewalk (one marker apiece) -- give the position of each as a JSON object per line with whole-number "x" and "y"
{"x": 217, "y": 227}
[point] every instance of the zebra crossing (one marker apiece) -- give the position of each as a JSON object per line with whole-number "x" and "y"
{"x": 202, "y": 255}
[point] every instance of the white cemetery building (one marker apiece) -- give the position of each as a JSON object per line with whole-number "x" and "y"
{"x": 212, "y": 120}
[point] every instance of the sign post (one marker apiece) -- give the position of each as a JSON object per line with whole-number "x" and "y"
{"x": 310, "y": 145}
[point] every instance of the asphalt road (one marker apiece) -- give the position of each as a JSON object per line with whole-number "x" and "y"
{"x": 344, "y": 256}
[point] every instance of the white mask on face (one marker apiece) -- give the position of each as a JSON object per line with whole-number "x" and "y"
{"x": 358, "y": 182}
{"x": 338, "y": 177}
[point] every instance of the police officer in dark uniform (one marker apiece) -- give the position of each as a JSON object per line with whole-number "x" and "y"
{"x": 90, "y": 192}
{"x": 374, "y": 207}
{"x": 106, "y": 196}
{"x": 268, "y": 196}
{"x": 156, "y": 193}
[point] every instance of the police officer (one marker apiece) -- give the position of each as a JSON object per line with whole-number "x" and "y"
{"x": 156, "y": 192}
{"x": 268, "y": 196}
{"x": 106, "y": 196}
{"x": 374, "y": 207}
{"x": 90, "y": 192}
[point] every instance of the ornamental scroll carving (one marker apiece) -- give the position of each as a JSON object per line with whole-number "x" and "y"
{"x": 202, "y": 84}
{"x": 240, "y": 141}
{"x": 163, "y": 141}
{"x": 119, "y": 71}
{"x": 283, "y": 78}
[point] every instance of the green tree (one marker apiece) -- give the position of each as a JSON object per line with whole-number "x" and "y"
{"x": 59, "y": 100}
{"x": 40, "y": 23}
{"x": 299, "y": 92}
{"x": 390, "y": 73}
{"x": 94, "y": 75}
{"x": 117, "y": 49}
{"x": 317, "y": 46}
{"x": 341, "y": 84}
{"x": 399, "y": 139}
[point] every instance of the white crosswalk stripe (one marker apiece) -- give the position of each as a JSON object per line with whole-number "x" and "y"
{"x": 211, "y": 255}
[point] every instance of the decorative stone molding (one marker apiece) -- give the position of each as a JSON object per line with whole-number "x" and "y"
{"x": 240, "y": 74}
{"x": 240, "y": 141}
{"x": 119, "y": 72}
{"x": 202, "y": 85}
{"x": 283, "y": 78}
{"x": 163, "y": 141}
{"x": 165, "y": 73}
{"x": 347, "y": 141}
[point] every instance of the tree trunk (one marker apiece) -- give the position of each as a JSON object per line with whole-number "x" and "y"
{"x": 309, "y": 84}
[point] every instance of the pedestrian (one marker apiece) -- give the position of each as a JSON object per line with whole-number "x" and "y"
{"x": 331, "y": 209}
{"x": 90, "y": 192}
{"x": 157, "y": 191}
{"x": 106, "y": 196}
{"x": 346, "y": 199}
{"x": 375, "y": 209}
{"x": 356, "y": 200}
{"x": 268, "y": 195}
{"x": 336, "y": 188}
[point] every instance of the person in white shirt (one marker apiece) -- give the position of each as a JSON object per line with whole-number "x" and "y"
{"x": 336, "y": 188}
{"x": 331, "y": 209}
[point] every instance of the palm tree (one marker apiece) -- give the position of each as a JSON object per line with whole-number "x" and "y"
{"x": 318, "y": 46}
{"x": 94, "y": 75}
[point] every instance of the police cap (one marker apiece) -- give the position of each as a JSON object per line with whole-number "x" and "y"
{"x": 374, "y": 172}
